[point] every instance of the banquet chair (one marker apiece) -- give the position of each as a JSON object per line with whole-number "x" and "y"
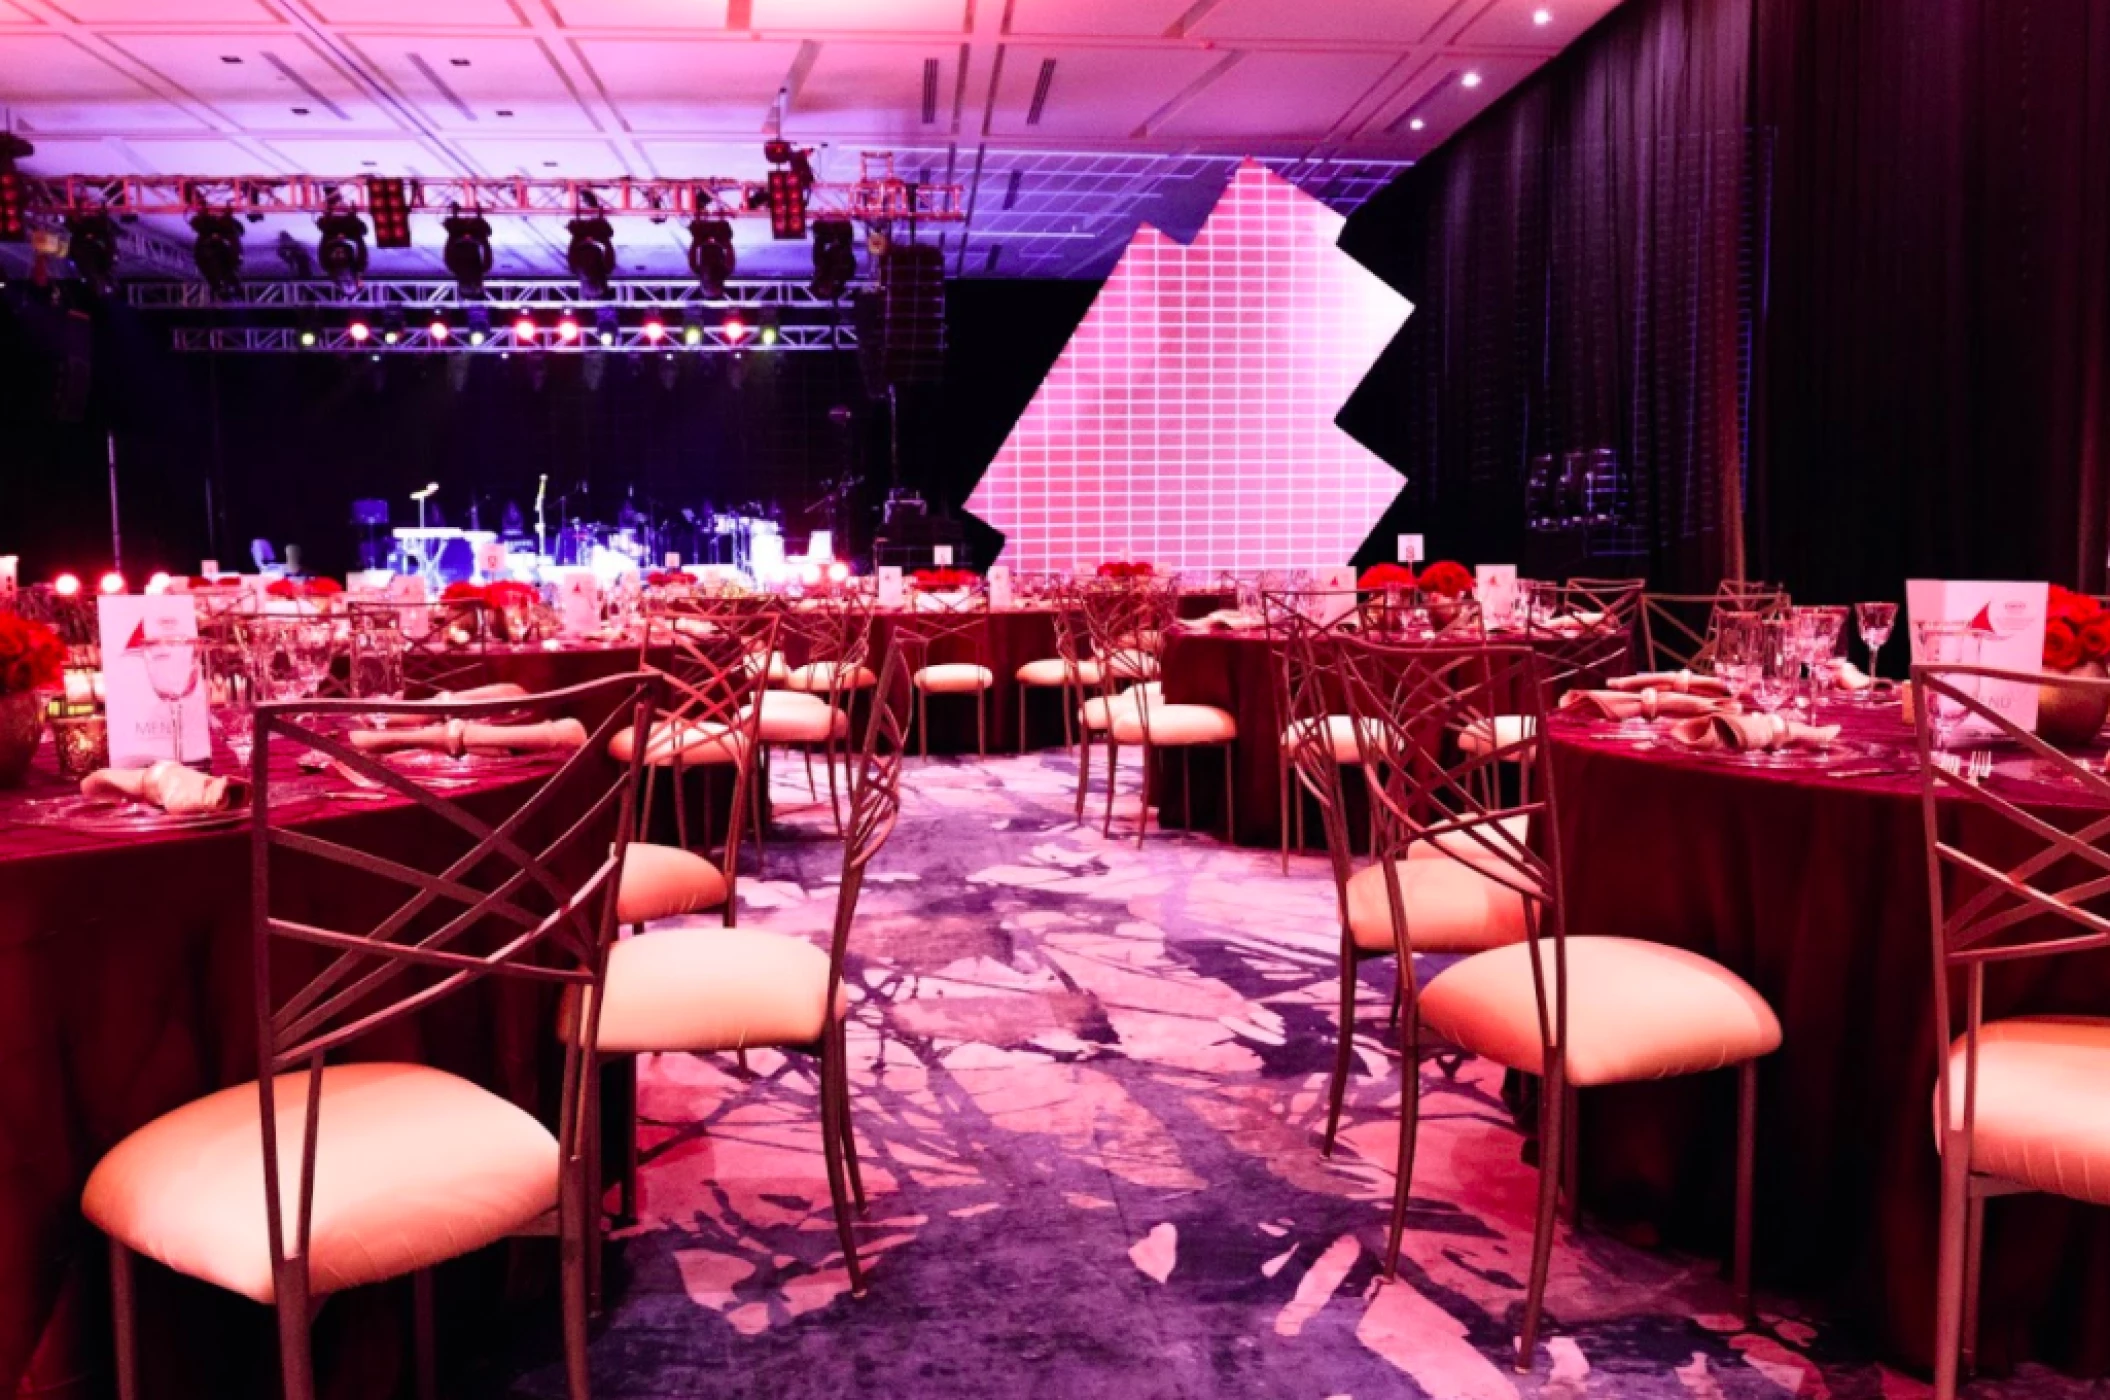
{"x": 2020, "y": 1102}
{"x": 1679, "y": 630}
{"x": 935, "y": 634}
{"x": 1127, "y": 620}
{"x": 754, "y": 619}
{"x": 1577, "y": 1012}
{"x": 319, "y": 1176}
{"x": 442, "y": 643}
{"x": 673, "y": 990}
{"x": 1069, "y": 673}
{"x": 1584, "y": 632}
{"x": 832, "y": 636}
{"x": 710, "y": 722}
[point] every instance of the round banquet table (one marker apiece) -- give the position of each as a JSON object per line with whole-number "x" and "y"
{"x": 1815, "y": 890}
{"x": 125, "y": 991}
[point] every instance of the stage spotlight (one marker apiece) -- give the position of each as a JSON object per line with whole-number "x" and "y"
{"x": 654, "y": 329}
{"x": 524, "y": 330}
{"x": 607, "y": 323}
{"x": 389, "y": 203}
{"x": 308, "y": 337}
{"x": 711, "y": 257}
{"x": 692, "y": 325}
{"x": 834, "y": 257}
{"x": 111, "y": 583}
{"x": 734, "y": 329}
{"x": 787, "y": 206}
{"x": 591, "y": 256}
{"x": 14, "y": 206}
{"x": 158, "y": 582}
{"x": 358, "y": 331}
{"x": 568, "y": 328}
{"x": 342, "y": 251}
{"x": 391, "y": 325}
{"x": 468, "y": 251}
{"x": 838, "y": 571}
{"x": 92, "y": 244}
{"x": 66, "y": 586}
{"x": 218, "y": 252}
{"x": 439, "y": 330}
{"x": 767, "y": 334}
{"x": 479, "y": 324}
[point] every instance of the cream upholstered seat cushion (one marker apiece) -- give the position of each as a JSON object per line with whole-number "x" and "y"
{"x": 1636, "y": 1010}
{"x": 954, "y": 678}
{"x": 1450, "y": 907}
{"x": 2042, "y": 1116}
{"x": 1175, "y": 725}
{"x": 665, "y": 882}
{"x": 1463, "y": 845}
{"x": 1498, "y": 732}
{"x": 793, "y": 717}
{"x": 1337, "y": 733}
{"x": 1053, "y": 671}
{"x": 695, "y": 744}
{"x": 821, "y": 676}
{"x": 1098, "y": 712}
{"x": 412, "y": 1166}
{"x": 1128, "y": 664}
{"x": 714, "y": 989}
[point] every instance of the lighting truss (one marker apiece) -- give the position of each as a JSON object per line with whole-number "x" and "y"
{"x": 866, "y": 200}
{"x": 441, "y": 292}
{"x": 417, "y": 340}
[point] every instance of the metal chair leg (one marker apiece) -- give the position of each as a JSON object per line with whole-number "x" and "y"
{"x": 1084, "y": 773}
{"x": 922, "y": 723}
{"x": 1409, "y": 1132}
{"x": 981, "y": 724}
{"x": 1143, "y": 818}
{"x": 842, "y": 1111}
{"x": 1553, "y": 1097}
{"x": 1973, "y": 1259}
{"x": 831, "y": 1148}
{"x": 1571, "y": 1158}
{"x": 424, "y": 1348}
{"x": 1746, "y": 1166}
{"x": 1230, "y": 799}
{"x": 1282, "y": 782}
{"x": 1343, "y": 1053}
{"x": 124, "y": 1311}
{"x": 1949, "y": 1271}
{"x": 296, "y": 1363}
{"x": 1113, "y": 780}
{"x": 574, "y": 1240}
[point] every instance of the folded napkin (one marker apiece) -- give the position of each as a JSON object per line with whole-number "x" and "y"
{"x": 1574, "y": 624}
{"x": 1752, "y": 733}
{"x": 1847, "y": 676}
{"x": 458, "y": 737}
{"x": 1232, "y": 620}
{"x": 175, "y": 789}
{"x": 1643, "y": 704}
{"x": 1684, "y": 682}
{"x": 501, "y": 690}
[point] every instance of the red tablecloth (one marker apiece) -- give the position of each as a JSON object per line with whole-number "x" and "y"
{"x": 125, "y": 992}
{"x": 1814, "y": 889}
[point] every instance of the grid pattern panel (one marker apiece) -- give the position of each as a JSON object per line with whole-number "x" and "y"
{"x": 1190, "y": 420}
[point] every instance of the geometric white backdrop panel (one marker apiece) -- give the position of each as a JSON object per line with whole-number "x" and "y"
{"x": 1189, "y": 422}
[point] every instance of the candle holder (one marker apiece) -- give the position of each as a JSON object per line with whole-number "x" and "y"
{"x": 81, "y": 740}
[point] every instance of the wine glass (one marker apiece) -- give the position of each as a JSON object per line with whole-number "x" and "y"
{"x": 1875, "y": 621}
{"x": 233, "y": 689}
{"x": 1779, "y": 667}
{"x": 1816, "y": 639}
{"x": 1946, "y": 644}
{"x": 172, "y": 671}
{"x": 1739, "y": 651}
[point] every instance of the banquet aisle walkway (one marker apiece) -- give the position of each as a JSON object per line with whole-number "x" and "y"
{"x": 1087, "y": 1084}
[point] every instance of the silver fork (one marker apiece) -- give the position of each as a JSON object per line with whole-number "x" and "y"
{"x": 1981, "y": 765}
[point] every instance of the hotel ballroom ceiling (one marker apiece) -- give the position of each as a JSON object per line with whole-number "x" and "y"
{"x": 1066, "y": 121}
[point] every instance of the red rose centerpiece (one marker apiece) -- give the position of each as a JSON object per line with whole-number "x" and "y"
{"x": 462, "y": 613}
{"x": 509, "y": 610}
{"x": 2076, "y": 643}
{"x": 943, "y": 580}
{"x": 1122, "y": 569}
{"x": 31, "y": 659}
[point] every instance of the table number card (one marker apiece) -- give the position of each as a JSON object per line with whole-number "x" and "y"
{"x": 578, "y": 602}
{"x": 941, "y": 555}
{"x": 208, "y": 568}
{"x": 491, "y": 560}
{"x": 1000, "y": 597}
{"x": 2009, "y": 619}
{"x": 673, "y": 559}
{"x": 1336, "y": 595}
{"x": 890, "y": 588}
{"x": 410, "y": 588}
{"x": 140, "y": 729}
{"x": 1496, "y": 585}
{"x": 1410, "y": 549}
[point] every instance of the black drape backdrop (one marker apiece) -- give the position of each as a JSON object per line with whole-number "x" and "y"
{"x": 1935, "y": 389}
{"x": 1580, "y": 259}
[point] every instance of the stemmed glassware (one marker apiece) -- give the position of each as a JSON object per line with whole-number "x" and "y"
{"x": 1875, "y": 621}
{"x": 1946, "y": 644}
{"x": 172, "y": 671}
{"x": 234, "y": 689}
{"x": 1816, "y": 640}
{"x": 1779, "y": 666}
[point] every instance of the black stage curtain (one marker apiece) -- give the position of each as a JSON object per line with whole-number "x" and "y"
{"x": 1580, "y": 262}
{"x": 1936, "y": 361}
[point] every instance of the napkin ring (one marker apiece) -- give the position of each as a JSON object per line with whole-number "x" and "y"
{"x": 457, "y": 730}
{"x": 1779, "y": 728}
{"x": 1648, "y": 703}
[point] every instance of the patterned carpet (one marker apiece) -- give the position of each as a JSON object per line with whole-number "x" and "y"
{"x": 1088, "y": 1085}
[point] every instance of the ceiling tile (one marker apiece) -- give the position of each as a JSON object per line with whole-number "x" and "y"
{"x": 86, "y": 157}
{"x": 361, "y": 155}
{"x": 722, "y": 88}
{"x": 1510, "y": 23}
{"x": 1097, "y": 18}
{"x": 1272, "y": 95}
{"x": 14, "y": 14}
{"x": 54, "y": 84}
{"x": 1436, "y": 92}
{"x": 1095, "y": 93}
{"x": 896, "y": 16}
{"x": 419, "y": 14}
{"x": 273, "y": 77}
{"x": 1342, "y": 21}
{"x": 199, "y": 155}
{"x": 640, "y": 14}
{"x": 541, "y": 158}
{"x": 464, "y": 83}
{"x": 189, "y": 13}
{"x": 874, "y": 91}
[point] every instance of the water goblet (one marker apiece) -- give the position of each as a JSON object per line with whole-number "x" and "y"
{"x": 1779, "y": 667}
{"x": 1946, "y": 644}
{"x": 172, "y": 671}
{"x": 1875, "y": 621}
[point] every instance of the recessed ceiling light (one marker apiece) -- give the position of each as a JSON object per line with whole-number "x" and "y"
{"x": 549, "y": 165}
{"x": 1471, "y": 80}
{"x": 1542, "y": 16}
{"x": 1416, "y": 125}
{"x": 464, "y": 63}
{"x": 300, "y": 111}
{"x": 505, "y": 112}
{"x": 230, "y": 58}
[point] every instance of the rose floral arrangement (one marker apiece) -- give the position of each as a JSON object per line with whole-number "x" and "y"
{"x": 1386, "y": 576}
{"x": 31, "y": 656}
{"x": 510, "y": 593}
{"x": 1115, "y": 568}
{"x": 322, "y": 592}
{"x": 940, "y": 580}
{"x": 1446, "y": 578}
{"x": 218, "y": 581}
{"x": 668, "y": 578}
{"x": 2076, "y": 632}
{"x": 462, "y": 593}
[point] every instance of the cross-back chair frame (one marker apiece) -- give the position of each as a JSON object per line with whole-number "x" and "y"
{"x": 434, "y": 658}
{"x": 1671, "y": 639}
{"x": 1127, "y": 621}
{"x": 937, "y": 624}
{"x": 716, "y": 666}
{"x": 837, "y": 632}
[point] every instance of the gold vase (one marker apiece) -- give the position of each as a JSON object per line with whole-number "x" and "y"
{"x": 2069, "y": 718}
{"x": 21, "y": 727}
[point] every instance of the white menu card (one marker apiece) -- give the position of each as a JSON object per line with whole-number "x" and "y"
{"x": 578, "y": 602}
{"x": 140, "y": 728}
{"x": 410, "y": 588}
{"x": 1000, "y": 586}
{"x": 2009, "y": 620}
{"x": 1336, "y": 595}
{"x": 890, "y": 587}
{"x": 1496, "y": 587}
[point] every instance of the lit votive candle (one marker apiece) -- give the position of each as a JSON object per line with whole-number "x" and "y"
{"x": 82, "y": 742}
